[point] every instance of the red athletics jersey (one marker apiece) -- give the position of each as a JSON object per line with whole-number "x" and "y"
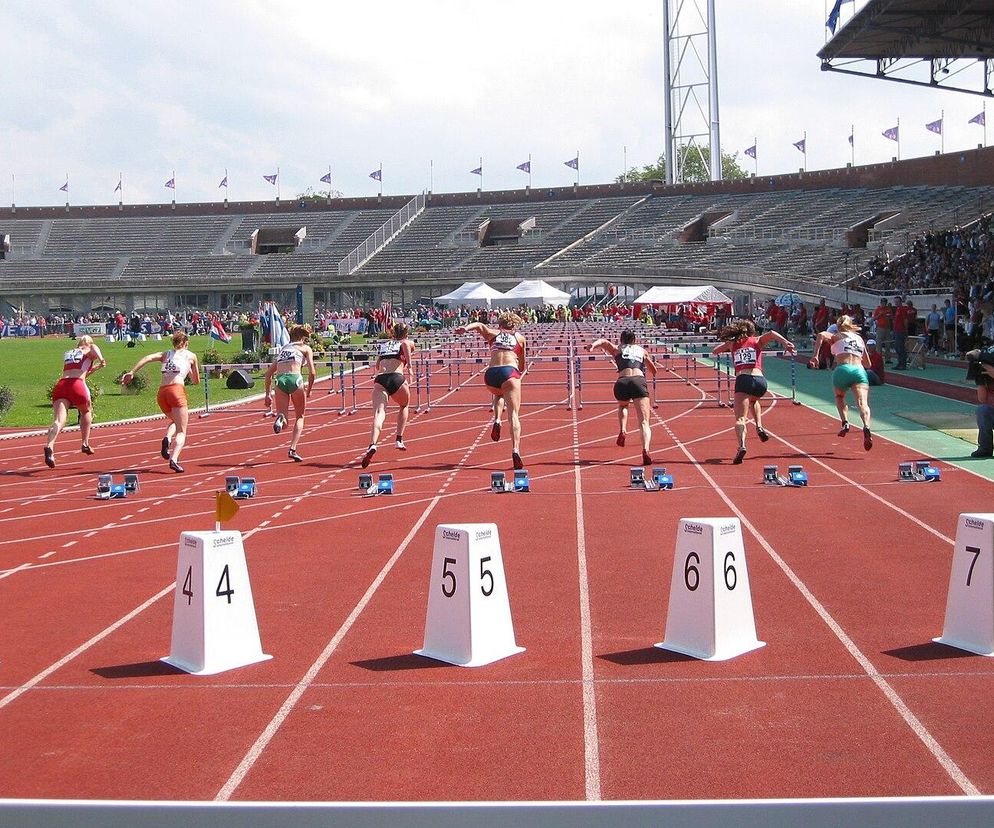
{"x": 746, "y": 354}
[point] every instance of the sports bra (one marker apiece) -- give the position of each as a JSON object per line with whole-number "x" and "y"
{"x": 76, "y": 360}
{"x": 505, "y": 341}
{"x": 850, "y": 343}
{"x": 288, "y": 353}
{"x": 393, "y": 349}
{"x": 631, "y": 356}
{"x": 747, "y": 354}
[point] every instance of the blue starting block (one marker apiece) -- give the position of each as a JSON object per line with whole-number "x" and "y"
{"x": 240, "y": 487}
{"x": 661, "y": 478}
{"x": 500, "y": 485}
{"x": 107, "y": 489}
{"x": 521, "y": 483}
{"x": 796, "y": 476}
{"x": 384, "y": 484}
{"x": 921, "y": 471}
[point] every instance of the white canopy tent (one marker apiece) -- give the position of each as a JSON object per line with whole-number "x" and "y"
{"x": 534, "y": 292}
{"x": 682, "y": 295}
{"x": 470, "y": 293}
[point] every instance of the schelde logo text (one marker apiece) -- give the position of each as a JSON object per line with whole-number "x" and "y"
{"x": 483, "y": 533}
{"x": 693, "y": 528}
{"x": 973, "y": 523}
{"x": 450, "y": 534}
{"x": 223, "y": 541}
{"x": 727, "y": 529}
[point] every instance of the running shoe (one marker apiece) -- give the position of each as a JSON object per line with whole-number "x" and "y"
{"x": 516, "y": 460}
{"x": 739, "y": 457}
{"x": 495, "y": 431}
{"x": 621, "y": 439}
{"x": 844, "y": 430}
{"x": 763, "y": 436}
{"x": 176, "y": 467}
{"x": 49, "y": 458}
{"x": 278, "y": 423}
{"x": 646, "y": 459}
{"x": 85, "y": 448}
{"x": 164, "y": 451}
{"x": 867, "y": 439}
{"x": 292, "y": 454}
{"x": 400, "y": 444}
{"x": 368, "y": 456}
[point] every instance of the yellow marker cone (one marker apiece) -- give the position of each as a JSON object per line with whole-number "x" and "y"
{"x": 225, "y": 508}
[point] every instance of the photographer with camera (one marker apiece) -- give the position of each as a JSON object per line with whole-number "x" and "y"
{"x": 980, "y": 368}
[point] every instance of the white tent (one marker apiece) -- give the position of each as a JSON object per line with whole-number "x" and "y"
{"x": 470, "y": 293}
{"x": 534, "y": 292}
{"x": 681, "y": 295}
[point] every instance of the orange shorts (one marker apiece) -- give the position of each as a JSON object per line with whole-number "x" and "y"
{"x": 170, "y": 397}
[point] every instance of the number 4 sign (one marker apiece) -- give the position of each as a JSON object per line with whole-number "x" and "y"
{"x": 469, "y": 615}
{"x": 214, "y": 624}
{"x": 710, "y": 609}
{"x": 969, "y": 623}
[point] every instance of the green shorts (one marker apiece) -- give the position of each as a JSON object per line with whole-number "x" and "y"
{"x": 845, "y": 376}
{"x": 288, "y": 383}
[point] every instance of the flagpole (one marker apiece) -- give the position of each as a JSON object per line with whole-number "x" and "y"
{"x": 277, "y": 183}
{"x": 942, "y": 131}
{"x": 755, "y": 158}
{"x": 13, "y": 201}
{"x": 67, "y": 189}
{"x": 174, "y": 186}
{"x": 577, "y": 182}
{"x": 898, "y": 139}
{"x": 805, "y": 145}
{"x": 481, "y": 173}
{"x": 852, "y": 142}
{"x": 624, "y": 152}
{"x": 529, "y": 171}
{"x": 381, "y": 178}
{"x": 431, "y": 174}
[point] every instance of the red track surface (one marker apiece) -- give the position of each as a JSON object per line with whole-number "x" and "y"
{"x": 848, "y": 577}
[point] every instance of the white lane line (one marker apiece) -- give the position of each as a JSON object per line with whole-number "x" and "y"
{"x": 67, "y": 545}
{"x": 127, "y": 517}
{"x": 82, "y": 648}
{"x": 16, "y": 569}
{"x": 47, "y": 555}
{"x": 591, "y": 748}
{"x": 913, "y": 722}
{"x": 90, "y": 534}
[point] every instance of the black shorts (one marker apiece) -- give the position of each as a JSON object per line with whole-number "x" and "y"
{"x": 753, "y": 385}
{"x": 391, "y": 382}
{"x": 630, "y": 388}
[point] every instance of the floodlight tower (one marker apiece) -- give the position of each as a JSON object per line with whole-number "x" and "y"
{"x": 690, "y": 87}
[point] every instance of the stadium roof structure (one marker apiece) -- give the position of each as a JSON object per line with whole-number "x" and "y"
{"x": 946, "y": 44}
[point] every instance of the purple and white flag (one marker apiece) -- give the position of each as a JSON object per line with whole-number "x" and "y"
{"x": 326, "y": 178}
{"x": 751, "y": 151}
{"x": 526, "y": 167}
{"x": 573, "y": 163}
{"x": 376, "y": 175}
{"x": 118, "y": 187}
{"x": 170, "y": 184}
{"x": 801, "y": 145}
{"x": 65, "y": 187}
{"x": 850, "y": 139}
{"x": 979, "y": 118}
{"x": 891, "y": 134}
{"x": 935, "y": 126}
{"x": 477, "y": 171}
{"x": 271, "y": 179}
{"x": 224, "y": 183}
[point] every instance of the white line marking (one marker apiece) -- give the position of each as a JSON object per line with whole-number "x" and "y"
{"x": 47, "y": 555}
{"x": 10, "y": 572}
{"x": 90, "y": 534}
{"x": 67, "y": 545}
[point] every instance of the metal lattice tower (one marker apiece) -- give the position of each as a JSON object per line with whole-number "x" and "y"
{"x": 690, "y": 87}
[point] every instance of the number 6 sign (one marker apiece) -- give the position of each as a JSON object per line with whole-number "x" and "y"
{"x": 469, "y": 615}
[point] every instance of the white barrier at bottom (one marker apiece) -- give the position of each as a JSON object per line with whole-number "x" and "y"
{"x": 969, "y": 622}
{"x": 214, "y": 624}
{"x": 710, "y": 608}
{"x": 469, "y": 616}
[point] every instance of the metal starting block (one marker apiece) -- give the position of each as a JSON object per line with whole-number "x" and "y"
{"x": 499, "y": 484}
{"x": 921, "y": 471}
{"x": 770, "y": 477}
{"x": 384, "y": 484}
{"x": 658, "y": 480}
{"x": 131, "y": 482}
{"x": 107, "y": 489}
{"x": 240, "y": 487}
{"x": 796, "y": 476}
{"x": 637, "y": 475}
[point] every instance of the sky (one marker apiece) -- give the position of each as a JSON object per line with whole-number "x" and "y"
{"x": 141, "y": 92}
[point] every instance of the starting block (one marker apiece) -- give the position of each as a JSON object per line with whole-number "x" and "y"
{"x": 661, "y": 478}
{"x": 365, "y": 481}
{"x": 637, "y": 476}
{"x": 796, "y": 476}
{"x": 521, "y": 483}
{"x": 107, "y": 489}
{"x": 240, "y": 487}
{"x": 384, "y": 484}
{"x": 919, "y": 471}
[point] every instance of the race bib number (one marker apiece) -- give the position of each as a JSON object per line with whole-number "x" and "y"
{"x": 505, "y": 341}
{"x": 744, "y": 356}
{"x": 633, "y": 353}
{"x": 287, "y": 354}
{"x": 73, "y": 356}
{"x": 390, "y": 349}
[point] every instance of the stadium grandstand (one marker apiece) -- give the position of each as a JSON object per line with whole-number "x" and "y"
{"x": 812, "y": 233}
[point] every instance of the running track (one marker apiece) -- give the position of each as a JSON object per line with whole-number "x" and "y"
{"x": 848, "y": 699}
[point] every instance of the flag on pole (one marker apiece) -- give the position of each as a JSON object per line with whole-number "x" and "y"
{"x": 891, "y": 134}
{"x": 65, "y": 187}
{"x": 573, "y": 163}
{"x": 218, "y": 332}
{"x": 377, "y": 175}
{"x": 980, "y": 118}
{"x": 526, "y": 167}
{"x": 225, "y": 507}
{"x": 224, "y": 183}
{"x": 833, "y": 17}
{"x": 477, "y": 171}
{"x": 935, "y": 126}
{"x": 273, "y": 327}
{"x": 118, "y": 187}
{"x": 850, "y": 139}
{"x": 271, "y": 179}
{"x": 170, "y": 184}
{"x": 801, "y": 145}
{"x": 326, "y": 178}
{"x": 751, "y": 151}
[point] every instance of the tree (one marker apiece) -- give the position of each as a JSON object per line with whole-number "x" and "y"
{"x": 697, "y": 167}
{"x": 318, "y": 197}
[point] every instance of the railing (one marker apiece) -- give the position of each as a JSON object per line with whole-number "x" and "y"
{"x": 378, "y": 240}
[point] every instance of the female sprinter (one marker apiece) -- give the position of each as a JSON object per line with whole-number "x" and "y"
{"x": 290, "y": 384}
{"x": 851, "y": 362}
{"x": 71, "y": 390}
{"x": 503, "y": 377}
{"x": 391, "y": 383}
{"x": 177, "y": 365}
{"x": 632, "y": 361}
{"x": 740, "y": 340}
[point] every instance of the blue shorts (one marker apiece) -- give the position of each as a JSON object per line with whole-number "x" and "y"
{"x": 753, "y": 385}
{"x": 497, "y": 375}
{"x": 845, "y": 376}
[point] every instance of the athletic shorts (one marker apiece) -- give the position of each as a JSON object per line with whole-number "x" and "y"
{"x": 170, "y": 397}
{"x": 630, "y": 388}
{"x": 391, "y": 382}
{"x": 288, "y": 383}
{"x": 497, "y": 375}
{"x": 73, "y": 391}
{"x": 845, "y": 376}
{"x": 752, "y": 385}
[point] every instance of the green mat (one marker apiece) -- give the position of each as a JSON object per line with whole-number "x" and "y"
{"x": 954, "y": 423}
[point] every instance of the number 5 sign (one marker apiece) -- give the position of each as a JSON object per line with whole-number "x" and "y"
{"x": 469, "y": 616}
{"x": 710, "y": 610}
{"x": 969, "y": 623}
{"x": 214, "y": 626}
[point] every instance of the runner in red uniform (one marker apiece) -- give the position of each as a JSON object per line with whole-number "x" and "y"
{"x": 71, "y": 390}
